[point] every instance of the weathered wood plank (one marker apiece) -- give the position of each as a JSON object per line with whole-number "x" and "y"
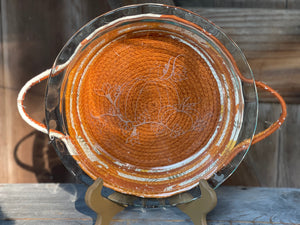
{"x": 3, "y": 143}
{"x": 260, "y": 166}
{"x": 76, "y": 13}
{"x": 64, "y": 204}
{"x": 270, "y": 39}
{"x": 31, "y": 27}
{"x": 28, "y": 29}
{"x": 4, "y": 171}
{"x": 293, "y": 4}
{"x": 15, "y": 129}
{"x": 1, "y": 53}
{"x": 277, "y": 4}
{"x": 289, "y": 154}
{"x": 273, "y": 162}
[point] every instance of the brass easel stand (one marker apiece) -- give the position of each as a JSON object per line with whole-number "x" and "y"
{"x": 196, "y": 209}
{"x": 104, "y": 208}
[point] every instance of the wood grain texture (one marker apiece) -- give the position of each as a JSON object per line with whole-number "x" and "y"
{"x": 289, "y": 154}
{"x": 274, "y": 4}
{"x": 64, "y": 204}
{"x": 259, "y": 167}
{"x": 32, "y": 34}
{"x": 293, "y": 4}
{"x": 15, "y": 129}
{"x": 270, "y": 40}
{"x": 273, "y": 162}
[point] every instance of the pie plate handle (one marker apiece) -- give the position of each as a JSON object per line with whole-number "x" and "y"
{"x": 238, "y": 148}
{"x": 267, "y": 132}
{"x": 21, "y": 108}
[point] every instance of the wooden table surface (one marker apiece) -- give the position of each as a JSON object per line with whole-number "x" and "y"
{"x": 31, "y": 204}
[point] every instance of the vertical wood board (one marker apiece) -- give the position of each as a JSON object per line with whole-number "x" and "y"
{"x": 273, "y": 162}
{"x": 274, "y": 4}
{"x": 270, "y": 40}
{"x": 32, "y": 34}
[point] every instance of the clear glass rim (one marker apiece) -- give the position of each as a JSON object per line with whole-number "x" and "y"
{"x": 54, "y": 82}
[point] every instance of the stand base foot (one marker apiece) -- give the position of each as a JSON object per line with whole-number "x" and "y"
{"x": 198, "y": 209}
{"x": 104, "y": 208}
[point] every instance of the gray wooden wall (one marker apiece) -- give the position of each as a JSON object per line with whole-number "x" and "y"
{"x": 33, "y": 31}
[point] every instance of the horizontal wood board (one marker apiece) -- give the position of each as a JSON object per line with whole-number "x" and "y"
{"x": 273, "y": 162}
{"x": 270, "y": 40}
{"x": 270, "y": 4}
{"x": 29, "y": 204}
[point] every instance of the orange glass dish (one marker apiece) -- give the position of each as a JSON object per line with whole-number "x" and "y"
{"x": 151, "y": 99}
{"x": 149, "y": 111}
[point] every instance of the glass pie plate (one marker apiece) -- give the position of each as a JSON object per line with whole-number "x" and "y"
{"x": 151, "y": 99}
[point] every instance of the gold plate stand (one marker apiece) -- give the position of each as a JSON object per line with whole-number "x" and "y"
{"x": 106, "y": 209}
{"x": 198, "y": 209}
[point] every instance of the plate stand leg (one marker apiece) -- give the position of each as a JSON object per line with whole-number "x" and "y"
{"x": 198, "y": 209}
{"x": 104, "y": 208}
